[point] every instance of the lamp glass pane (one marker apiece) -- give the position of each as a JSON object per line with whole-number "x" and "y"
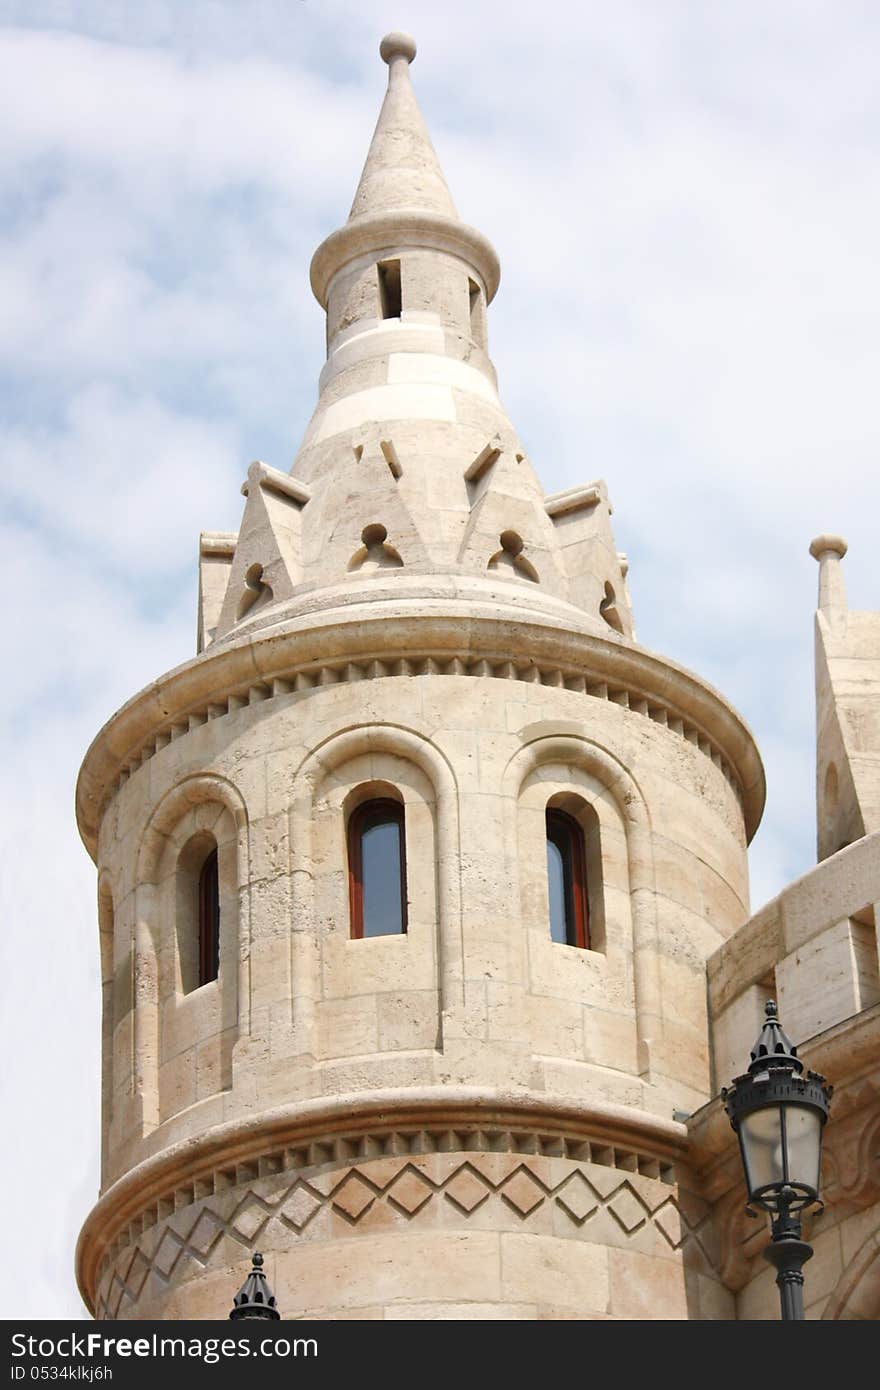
{"x": 804, "y": 1132}
{"x": 761, "y": 1137}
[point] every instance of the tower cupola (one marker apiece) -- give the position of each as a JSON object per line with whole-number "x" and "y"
{"x": 410, "y": 474}
{"x": 404, "y": 257}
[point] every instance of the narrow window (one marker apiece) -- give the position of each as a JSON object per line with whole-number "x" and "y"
{"x": 566, "y": 880}
{"x": 209, "y": 920}
{"x": 377, "y": 869}
{"x": 389, "y": 289}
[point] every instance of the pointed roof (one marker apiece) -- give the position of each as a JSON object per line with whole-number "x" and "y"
{"x": 773, "y": 1044}
{"x": 402, "y": 198}
{"x": 255, "y": 1299}
{"x": 402, "y": 169}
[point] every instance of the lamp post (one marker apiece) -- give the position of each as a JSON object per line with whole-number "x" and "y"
{"x": 778, "y": 1112}
{"x": 255, "y": 1299}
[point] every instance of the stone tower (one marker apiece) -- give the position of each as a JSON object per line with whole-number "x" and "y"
{"x": 416, "y": 672}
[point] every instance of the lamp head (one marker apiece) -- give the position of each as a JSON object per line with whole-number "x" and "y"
{"x": 778, "y": 1112}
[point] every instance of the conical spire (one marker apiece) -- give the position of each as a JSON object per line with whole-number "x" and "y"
{"x": 774, "y": 1046}
{"x": 402, "y": 199}
{"x": 402, "y": 169}
{"x": 409, "y": 441}
{"x": 255, "y": 1299}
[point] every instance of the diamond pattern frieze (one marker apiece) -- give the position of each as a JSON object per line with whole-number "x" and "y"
{"x": 578, "y": 1198}
{"x": 628, "y": 1210}
{"x": 136, "y": 1275}
{"x": 495, "y": 1167}
{"x": 149, "y": 1241}
{"x": 206, "y": 1231}
{"x": 104, "y": 1284}
{"x": 326, "y": 1183}
{"x": 115, "y": 1296}
{"x": 299, "y": 1206}
{"x": 651, "y": 1191}
{"x": 523, "y": 1192}
{"x": 249, "y": 1218}
{"x": 353, "y": 1197}
{"x": 605, "y": 1180}
{"x": 168, "y": 1254}
{"x": 466, "y": 1189}
{"x": 668, "y": 1220}
{"x": 410, "y": 1192}
{"x": 597, "y": 1202}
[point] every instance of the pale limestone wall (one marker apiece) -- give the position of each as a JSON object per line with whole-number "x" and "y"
{"x": 428, "y": 1219}
{"x": 475, "y": 994}
{"x": 435, "y": 289}
{"x": 841, "y": 1281}
{"x": 428, "y": 1223}
{"x": 476, "y": 761}
{"x": 814, "y": 949}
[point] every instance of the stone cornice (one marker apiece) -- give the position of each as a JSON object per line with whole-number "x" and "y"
{"x": 182, "y": 1167}
{"x": 406, "y": 228}
{"x": 396, "y": 639}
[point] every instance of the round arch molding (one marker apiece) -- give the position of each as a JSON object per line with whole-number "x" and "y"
{"x": 313, "y": 773}
{"x": 599, "y": 763}
{"x": 185, "y": 796}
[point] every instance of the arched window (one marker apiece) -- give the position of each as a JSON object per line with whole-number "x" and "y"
{"x": 209, "y": 920}
{"x": 377, "y": 869}
{"x": 566, "y": 877}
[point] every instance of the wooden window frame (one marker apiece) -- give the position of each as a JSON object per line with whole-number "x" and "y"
{"x": 568, "y": 836}
{"x": 378, "y": 811}
{"x": 209, "y": 919}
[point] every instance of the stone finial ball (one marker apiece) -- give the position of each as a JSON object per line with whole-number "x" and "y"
{"x": 822, "y": 544}
{"x": 397, "y": 45}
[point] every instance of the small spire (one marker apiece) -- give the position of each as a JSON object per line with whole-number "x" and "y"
{"x": 402, "y": 169}
{"x": 829, "y": 551}
{"x": 773, "y": 1044}
{"x": 255, "y": 1299}
{"x": 402, "y": 199}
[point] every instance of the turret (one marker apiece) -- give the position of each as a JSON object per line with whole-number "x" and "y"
{"x": 408, "y": 878}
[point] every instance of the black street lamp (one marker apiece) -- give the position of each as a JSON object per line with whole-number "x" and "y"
{"x": 778, "y": 1112}
{"x": 255, "y": 1299}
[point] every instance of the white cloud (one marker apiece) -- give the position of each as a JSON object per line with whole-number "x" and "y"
{"x": 126, "y": 481}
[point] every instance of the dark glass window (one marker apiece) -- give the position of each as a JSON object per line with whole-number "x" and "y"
{"x": 209, "y": 920}
{"x": 377, "y": 869}
{"x": 566, "y": 879}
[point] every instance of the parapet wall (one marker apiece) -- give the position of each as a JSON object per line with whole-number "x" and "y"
{"x": 813, "y": 948}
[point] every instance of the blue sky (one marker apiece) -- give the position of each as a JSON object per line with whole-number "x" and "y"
{"x": 685, "y": 202}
